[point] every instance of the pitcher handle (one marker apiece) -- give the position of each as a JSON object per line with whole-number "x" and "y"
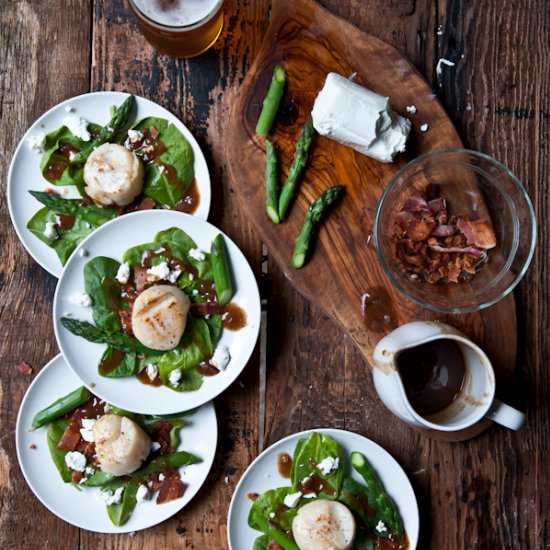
{"x": 507, "y": 416}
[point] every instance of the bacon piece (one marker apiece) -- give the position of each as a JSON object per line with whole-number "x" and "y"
{"x": 160, "y": 432}
{"x": 153, "y": 133}
{"x": 71, "y": 436}
{"x": 420, "y": 230}
{"x": 172, "y": 487}
{"x": 416, "y": 203}
{"x": 478, "y": 233}
{"x": 444, "y": 231}
{"x": 24, "y": 368}
{"x": 87, "y": 448}
{"x": 471, "y": 250}
{"x": 140, "y": 278}
{"x": 125, "y": 316}
{"x": 274, "y": 546}
{"x": 437, "y": 205}
{"x": 76, "y": 476}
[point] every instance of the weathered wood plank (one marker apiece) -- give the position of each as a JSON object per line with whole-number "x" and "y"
{"x": 42, "y": 63}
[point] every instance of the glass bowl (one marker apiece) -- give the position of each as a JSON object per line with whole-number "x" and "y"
{"x": 475, "y": 187}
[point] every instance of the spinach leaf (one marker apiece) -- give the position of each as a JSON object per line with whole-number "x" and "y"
{"x": 310, "y": 452}
{"x": 215, "y": 326}
{"x": 179, "y": 241}
{"x": 158, "y": 184}
{"x": 99, "y": 479}
{"x": 128, "y": 365}
{"x": 119, "y": 513}
{"x": 54, "y": 435}
{"x": 101, "y": 285}
{"x": 133, "y": 255}
{"x": 261, "y": 543}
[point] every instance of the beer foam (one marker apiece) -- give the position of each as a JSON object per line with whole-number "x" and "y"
{"x": 176, "y": 13}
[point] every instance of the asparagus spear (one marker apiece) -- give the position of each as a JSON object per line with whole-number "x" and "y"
{"x": 272, "y": 101}
{"x": 117, "y": 123}
{"x": 221, "y": 271}
{"x": 74, "y": 207}
{"x": 296, "y": 170}
{"x": 272, "y": 182}
{"x": 60, "y": 407}
{"x": 377, "y": 496}
{"x": 313, "y": 216}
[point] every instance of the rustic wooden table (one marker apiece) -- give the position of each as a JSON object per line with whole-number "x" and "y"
{"x": 491, "y": 492}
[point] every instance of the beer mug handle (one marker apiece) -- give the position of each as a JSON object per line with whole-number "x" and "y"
{"x": 507, "y": 416}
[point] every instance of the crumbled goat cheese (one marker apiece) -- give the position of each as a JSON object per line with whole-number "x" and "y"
{"x": 221, "y": 357}
{"x": 81, "y": 299}
{"x": 195, "y": 292}
{"x": 380, "y": 527}
{"x": 411, "y": 109}
{"x": 77, "y": 126}
{"x": 36, "y": 142}
{"x": 89, "y": 471}
{"x": 292, "y": 499}
{"x": 142, "y": 493}
{"x": 50, "y": 231}
{"x": 162, "y": 477}
{"x": 424, "y": 127}
{"x": 134, "y": 136}
{"x": 155, "y": 446}
{"x": 86, "y": 431}
{"x": 310, "y": 495}
{"x": 123, "y": 273}
{"x": 191, "y": 276}
{"x": 328, "y": 464}
{"x": 75, "y": 461}
{"x": 159, "y": 272}
{"x": 110, "y": 497}
{"x": 152, "y": 371}
{"x": 197, "y": 254}
{"x": 174, "y": 275}
{"x": 174, "y": 377}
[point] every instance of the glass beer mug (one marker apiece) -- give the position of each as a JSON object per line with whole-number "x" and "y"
{"x": 179, "y": 28}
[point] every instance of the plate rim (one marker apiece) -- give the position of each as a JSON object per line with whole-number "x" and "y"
{"x": 9, "y": 185}
{"x": 116, "y": 530}
{"x": 164, "y": 214}
{"x": 328, "y": 431}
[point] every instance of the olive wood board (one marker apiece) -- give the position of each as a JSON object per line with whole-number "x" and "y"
{"x": 311, "y": 42}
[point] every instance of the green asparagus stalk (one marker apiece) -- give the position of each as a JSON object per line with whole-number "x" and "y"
{"x": 116, "y": 340}
{"x": 377, "y": 496}
{"x": 117, "y": 123}
{"x": 74, "y": 207}
{"x": 301, "y": 155}
{"x": 272, "y": 182}
{"x": 60, "y": 407}
{"x": 221, "y": 271}
{"x": 272, "y": 101}
{"x": 313, "y": 216}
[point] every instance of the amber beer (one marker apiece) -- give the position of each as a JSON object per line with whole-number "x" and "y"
{"x": 180, "y": 28}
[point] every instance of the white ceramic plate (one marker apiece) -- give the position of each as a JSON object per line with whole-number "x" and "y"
{"x": 24, "y": 174}
{"x": 262, "y": 475}
{"x": 83, "y": 508}
{"x": 112, "y": 240}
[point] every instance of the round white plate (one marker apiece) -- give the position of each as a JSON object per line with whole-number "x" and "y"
{"x": 112, "y": 240}
{"x": 24, "y": 174}
{"x": 262, "y": 475}
{"x": 83, "y": 508}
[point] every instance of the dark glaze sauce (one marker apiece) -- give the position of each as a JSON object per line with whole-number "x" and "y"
{"x": 144, "y": 379}
{"x": 206, "y": 369}
{"x": 55, "y": 169}
{"x": 377, "y": 309}
{"x": 66, "y": 221}
{"x": 234, "y": 317}
{"x": 252, "y": 496}
{"x": 315, "y": 484}
{"x": 392, "y": 544}
{"x": 109, "y": 364}
{"x": 433, "y": 375}
{"x": 191, "y": 199}
{"x": 284, "y": 465}
{"x": 93, "y": 408}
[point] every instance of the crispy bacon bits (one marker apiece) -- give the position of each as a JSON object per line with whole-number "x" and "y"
{"x": 435, "y": 247}
{"x": 24, "y": 368}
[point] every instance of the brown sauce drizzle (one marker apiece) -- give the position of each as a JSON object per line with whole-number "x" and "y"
{"x": 66, "y": 221}
{"x": 377, "y": 310}
{"x": 390, "y": 543}
{"x": 234, "y": 317}
{"x": 91, "y": 410}
{"x": 191, "y": 200}
{"x": 144, "y": 379}
{"x": 66, "y": 150}
{"x": 284, "y": 465}
{"x": 252, "y": 496}
{"x": 206, "y": 369}
{"x": 315, "y": 484}
{"x": 55, "y": 169}
{"x": 109, "y": 364}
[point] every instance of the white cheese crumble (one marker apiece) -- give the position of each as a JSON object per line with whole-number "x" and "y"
{"x": 328, "y": 464}
{"x": 292, "y": 499}
{"x": 424, "y": 127}
{"x": 174, "y": 276}
{"x": 36, "y": 141}
{"x": 221, "y": 357}
{"x": 411, "y": 109}
{"x": 272, "y": 515}
{"x": 142, "y": 493}
{"x": 162, "y": 477}
{"x": 155, "y": 446}
{"x": 123, "y": 273}
{"x": 110, "y": 497}
{"x": 50, "y": 231}
{"x": 134, "y": 136}
{"x": 77, "y": 126}
{"x": 380, "y": 527}
{"x": 159, "y": 272}
{"x": 75, "y": 461}
{"x": 310, "y": 495}
{"x": 174, "y": 377}
{"x": 89, "y": 471}
{"x": 195, "y": 292}
{"x": 440, "y": 63}
{"x": 152, "y": 371}
{"x": 197, "y": 254}
{"x": 81, "y": 299}
{"x": 86, "y": 431}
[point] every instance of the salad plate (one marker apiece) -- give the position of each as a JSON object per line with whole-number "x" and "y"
{"x": 102, "y": 328}
{"x": 279, "y": 471}
{"x": 82, "y": 504}
{"x": 49, "y": 144}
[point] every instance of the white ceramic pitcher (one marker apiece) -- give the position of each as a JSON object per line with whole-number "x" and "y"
{"x": 476, "y": 398}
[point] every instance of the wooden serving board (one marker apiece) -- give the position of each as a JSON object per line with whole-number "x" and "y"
{"x": 310, "y": 42}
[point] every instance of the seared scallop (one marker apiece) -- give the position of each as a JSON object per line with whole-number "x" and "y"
{"x": 113, "y": 175}
{"x": 159, "y": 316}
{"x": 121, "y": 445}
{"x": 324, "y": 525}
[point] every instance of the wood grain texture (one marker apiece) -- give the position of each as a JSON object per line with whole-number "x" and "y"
{"x": 311, "y": 42}
{"x": 491, "y": 492}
